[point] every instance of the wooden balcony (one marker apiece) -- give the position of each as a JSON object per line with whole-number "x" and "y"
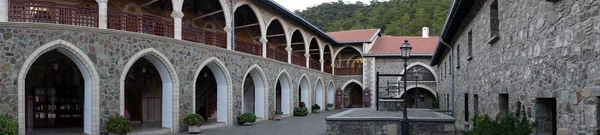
{"x": 50, "y": 12}
{"x": 143, "y": 23}
{"x": 278, "y": 54}
{"x": 328, "y": 68}
{"x": 193, "y": 34}
{"x": 348, "y": 71}
{"x": 248, "y": 47}
{"x": 315, "y": 64}
{"x": 299, "y": 59}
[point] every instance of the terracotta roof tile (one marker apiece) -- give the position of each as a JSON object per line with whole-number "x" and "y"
{"x": 391, "y": 45}
{"x": 353, "y": 35}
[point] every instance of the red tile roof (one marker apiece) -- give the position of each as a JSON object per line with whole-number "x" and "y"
{"x": 364, "y": 35}
{"x": 391, "y": 45}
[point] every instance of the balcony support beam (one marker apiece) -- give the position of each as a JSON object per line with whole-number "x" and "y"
{"x": 207, "y": 15}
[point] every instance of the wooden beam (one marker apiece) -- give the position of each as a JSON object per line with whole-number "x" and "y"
{"x": 207, "y": 15}
{"x": 298, "y": 43}
{"x": 276, "y": 35}
{"x": 246, "y": 26}
{"x": 146, "y": 4}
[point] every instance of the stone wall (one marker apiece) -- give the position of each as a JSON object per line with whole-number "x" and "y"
{"x": 110, "y": 50}
{"x": 387, "y": 127}
{"x": 545, "y": 50}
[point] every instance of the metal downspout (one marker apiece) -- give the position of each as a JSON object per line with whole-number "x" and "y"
{"x": 451, "y": 76}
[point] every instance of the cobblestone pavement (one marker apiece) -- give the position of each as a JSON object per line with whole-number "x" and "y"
{"x": 313, "y": 124}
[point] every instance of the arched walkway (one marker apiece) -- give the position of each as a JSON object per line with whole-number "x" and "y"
{"x": 254, "y": 91}
{"x": 353, "y": 94}
{"x": 169, "y": 88}
{"x": 283, "y": 92}
{"x": 90, "y": 83}
{"x": 216, "y": 97}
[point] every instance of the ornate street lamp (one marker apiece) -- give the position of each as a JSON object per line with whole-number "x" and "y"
{"x": 405, "y": 49}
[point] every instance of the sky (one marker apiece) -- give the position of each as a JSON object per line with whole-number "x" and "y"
{"x": 303, "y": 4}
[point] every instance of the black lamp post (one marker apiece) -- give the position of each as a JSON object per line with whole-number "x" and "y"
{"x": 405, "y": 48}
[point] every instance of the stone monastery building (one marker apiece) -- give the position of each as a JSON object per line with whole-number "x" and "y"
{"x": 73, "y": 63}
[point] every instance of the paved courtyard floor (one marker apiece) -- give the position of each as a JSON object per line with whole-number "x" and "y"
{"x": 313, "y": 124}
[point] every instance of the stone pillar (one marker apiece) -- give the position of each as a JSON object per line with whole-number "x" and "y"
{"x": 177, "y": 15}
{"x": 289, "y": 53}
{"x": 264, "y": 41}
{"x": 102, "y": 14}
{"x": 229, "y": 36}
{"x": 307, "y": 59}
{"x": 332, "y": 68}
{"x": 3, "y": 10}
{"x": 322, "y": 64}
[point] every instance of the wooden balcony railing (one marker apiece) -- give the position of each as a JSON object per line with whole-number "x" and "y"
{"x": 202, "y": 36}
{"x": 315, "y": 64}
{"x": 248, "y": 47}
{"x": 50, "y": 12}
{"x": 140, "y": 23}
{"x": 278, "y": 54}
{"x": 348, "y": 71}
{"x": 328, "y": 68}
{"x": 299, "y": 59}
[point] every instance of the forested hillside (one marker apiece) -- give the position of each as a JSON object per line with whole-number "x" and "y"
{"x": 394, "y": 17}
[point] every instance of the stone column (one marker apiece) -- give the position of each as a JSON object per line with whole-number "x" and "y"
{"x": 229, "y": 36}
{"x": 264, "y": 41}
{"x": 3, "y": 10}
{"x": 332, "y": 68}
{"x": 289, "y": 53}
{"x": 322, "y": 65}
{"x": 102, "y": 14}
{"x": 177, "y": 15}
{"x": 307, "y": 59}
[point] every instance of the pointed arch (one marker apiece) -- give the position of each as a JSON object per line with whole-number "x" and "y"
{"x": 170, "y": 84}
{"x": 286, "y": 91}
{"x": 224, "y": 82}
{"x": 420, "y": 86}
{"x": 412, "y": 64}
{"x": 352, "y": 81}
{"x": 319, "y": 86}
{"x": 330, "y": 92}
{"x": 304, "y": 90}
{"x": 261, "y": 90}
{"x": 257, "y": 13}
{"x": 226, "y": 11}
{"x": 344, "y": 47}
{"x": 283, "y": 24}
{"x": 88, "y": 70}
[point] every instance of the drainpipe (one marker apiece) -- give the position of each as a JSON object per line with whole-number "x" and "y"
{"x": 232, "y": 24}
{"x": 451, "y": 75}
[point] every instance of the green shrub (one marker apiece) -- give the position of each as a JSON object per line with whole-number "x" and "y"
{"x": 246, "y": 117}
{"x": 300, "y": 111}
{"x": 118, "y": 124}
{"x": 330, "y": 105}
{"x": 193, "y": 119}
{"x": 436, "y": 103}
{"x": 511, "y": 124}
{"x": 316, "y": 107}
{"x": 8, "y": 126}
{"x": 278, "y": 112}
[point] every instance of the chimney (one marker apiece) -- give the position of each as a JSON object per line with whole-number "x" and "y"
{"x": 425, "y": 32}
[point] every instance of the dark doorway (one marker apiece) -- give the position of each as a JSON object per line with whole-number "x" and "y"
{"x": 419, "y": 98}
{"x": 353, "y": 96}
{"x": 206, "y": 95}
{"x": 143, "y": 92}
{"x": 545, "y": 117}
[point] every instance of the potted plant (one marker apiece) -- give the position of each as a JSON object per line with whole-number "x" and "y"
{"x": 316, "y": 108}
{"x": 246, "y": 119}
{"x": 278, "y": 115}
{"x": 117, "y": 124}
{"x": 300, "y": 111}
{"x": 330, "y": 107}
{"x": 8, "y": 126}
{"x": 194, "y": 121}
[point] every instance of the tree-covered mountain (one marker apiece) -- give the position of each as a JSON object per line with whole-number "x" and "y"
{"x": 394, "y": 17}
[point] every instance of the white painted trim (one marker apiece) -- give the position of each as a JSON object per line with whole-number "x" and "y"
{"x": 319, "y": 93}
{"x": 170, "y": 97}
{"x": 224, "y": 86}
{"x": 304, "y": 87}
{"x": 330, "y": 93}
{"x": 420, "y": 86}
{"x": 261, "y": 91}
{"x": 352, "y": 81}
{"x": 286, "y": 92}
{"x": 424, "y": 65}
{"x": 88, "y": 71}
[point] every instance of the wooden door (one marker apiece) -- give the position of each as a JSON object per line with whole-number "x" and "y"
{"x": 133, "y": 104}
{"x": 356, "y": 98}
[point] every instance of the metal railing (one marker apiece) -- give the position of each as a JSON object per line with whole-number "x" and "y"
{"x": 50, "y": 12}
{"x": 142, "y": 23}
{"x": 348, "y": 71}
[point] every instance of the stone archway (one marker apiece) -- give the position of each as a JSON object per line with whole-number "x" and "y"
{"x": 254, "y": 92}
{"x": 90, "y": 83}
{"x": 319, "y": 94}
{"x": 222, "y": 80}
{"x": 303, "y": 91}
{"x": 283, "y": 93}
{"x": 330, "y": 93}
{"x": 169, "y": 86}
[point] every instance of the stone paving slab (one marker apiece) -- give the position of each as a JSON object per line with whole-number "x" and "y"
{"x": 313, "y": 124}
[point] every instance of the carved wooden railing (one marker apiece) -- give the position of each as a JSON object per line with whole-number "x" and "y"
{"x": 328, "y": 68}
{"x": 140, "y": 23}
{"x": 50, "y": 12}
{"x": 299, "y": 59}
{"x": 348, "y": 71}
{"x": 248, "y": 47}
{"x": 278, "y": 54}
{"x": 315, "y": 64}
{"x": 202, "y": 36}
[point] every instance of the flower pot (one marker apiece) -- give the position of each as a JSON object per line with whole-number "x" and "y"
{"x": 277, "y": 117}
{"x": 248, "y": 124}
{"x": 316, "y": 110}
{"x": 329, "y": 108}
{"x": 194, "y": 129}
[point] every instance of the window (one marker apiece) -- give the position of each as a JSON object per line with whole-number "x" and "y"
{"x": 457, "y": 56}
{"x": 494, "y": 22}
{"x": 475, "y": 104}
{"x": 445, "y": 67}
{"x": 470, "y": 44}
{"x": 467, "y": 107}
{"x": 503, "y": 104}
{"x": 545, "y": 116}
